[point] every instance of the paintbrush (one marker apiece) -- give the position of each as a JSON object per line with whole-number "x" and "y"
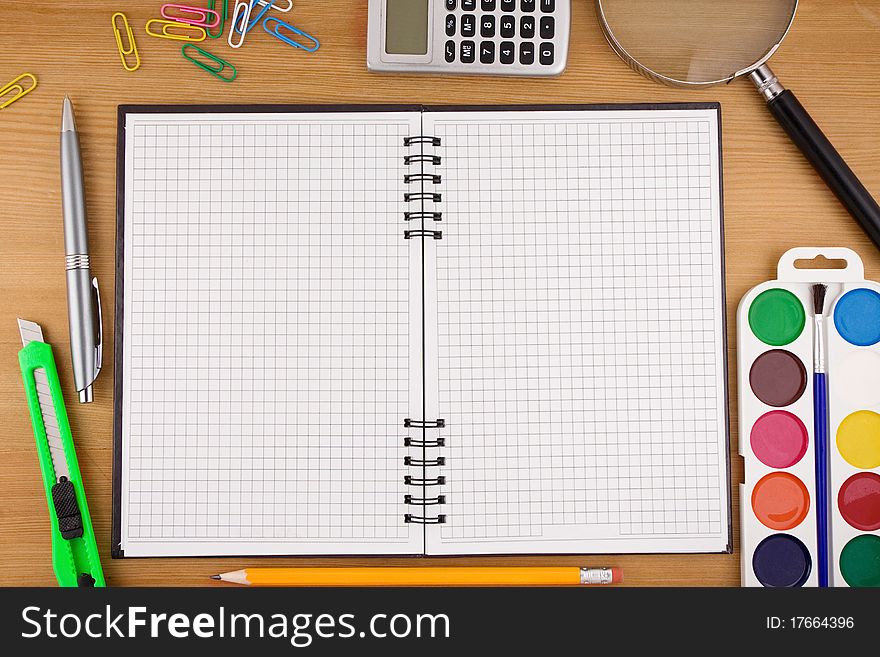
{"x": 820, "y": 424}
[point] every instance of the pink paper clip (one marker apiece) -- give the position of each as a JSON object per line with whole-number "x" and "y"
{"x": 198, "y": 16}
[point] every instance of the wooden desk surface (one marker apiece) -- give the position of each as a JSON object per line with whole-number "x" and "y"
{"x": 772, "y": 201}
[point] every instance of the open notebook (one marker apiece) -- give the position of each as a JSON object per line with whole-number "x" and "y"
{"x": 419, "y": 330}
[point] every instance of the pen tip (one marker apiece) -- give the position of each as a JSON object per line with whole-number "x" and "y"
{"x": 215, "y": 576}
{"x": 67, "y": 121}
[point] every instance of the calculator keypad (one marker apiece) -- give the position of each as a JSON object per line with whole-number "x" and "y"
{"x": 487, "y": 26}
{"x": 508, "y": 27}
{"x": 496, "y": 23}
{"x": 487, "y": 52}
{"x": 467, "y": 51}
{"x": 468, "y": 25}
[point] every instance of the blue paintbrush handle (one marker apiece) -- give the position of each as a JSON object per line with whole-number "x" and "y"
{"x": 820, "y": 419}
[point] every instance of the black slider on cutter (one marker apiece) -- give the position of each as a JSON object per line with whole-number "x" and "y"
{"x": 66, "y": 508}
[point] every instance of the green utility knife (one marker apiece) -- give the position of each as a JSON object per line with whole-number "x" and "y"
{"x": 74, "y": 551}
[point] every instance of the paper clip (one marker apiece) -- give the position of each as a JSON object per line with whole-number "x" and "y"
{"x": 132, "y": 46}
{"x": 17, "y": 89}
{"x": 276, "y": 7}
{"x": 224, "y": 14}
{"x": 191, "y": 15}
{"x": 286, "y": 39}
{"x": 242, "y": 11}
{"x": 213, "y": 70}
{"x": 199, "y": 33}
{"x": 250, "y": 22}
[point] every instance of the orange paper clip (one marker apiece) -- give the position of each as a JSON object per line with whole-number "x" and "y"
{"x": 16, "y": 89}
{"x": 177, "y": 31}
{"x": 132, "y": 47}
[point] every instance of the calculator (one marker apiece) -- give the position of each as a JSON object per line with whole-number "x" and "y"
{"x": 488, "y": 37}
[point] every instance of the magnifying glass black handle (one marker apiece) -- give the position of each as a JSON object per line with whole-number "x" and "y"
{"x": 827, "y": 161}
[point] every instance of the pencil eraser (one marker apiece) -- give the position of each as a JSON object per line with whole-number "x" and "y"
{"x": 616, "y": 576}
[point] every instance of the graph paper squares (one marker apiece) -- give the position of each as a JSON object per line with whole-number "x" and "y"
{"x": 269, "y": 339}
{"x": 577, "y": 338}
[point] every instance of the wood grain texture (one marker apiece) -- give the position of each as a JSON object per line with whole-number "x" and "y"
{"x": 772, "y": 201}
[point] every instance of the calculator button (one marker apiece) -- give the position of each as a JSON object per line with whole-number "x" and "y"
{"x": 450, "y": 5}
{"x": 508, "y": 5}
{"x": 468, "y": 25}
{"x": 487, "y": 26}
{"x": 508, "y": 27}
{"x": 527, "y": 27}
{"x": 548, "y": 27}
{"x": 467, "y": 52}
{"x": 526, "y": 5}
{"x": 507, "y": 52}
{"x": 548, "y": 6}
{"x": 450, "y": 25}
{"x": 526, "y": 53}
{"x": 468, "y": 5}
{"x": 450, "y": 51}
{"x": 488, "y": 5}
{"x": 487, "y": 52}
{"x": 546, "y": 54}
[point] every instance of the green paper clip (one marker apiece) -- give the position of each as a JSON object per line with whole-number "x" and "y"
{"x": 224, "y": 14}
{"x": 216, "y": 72}
{"x": 74, "y": 550}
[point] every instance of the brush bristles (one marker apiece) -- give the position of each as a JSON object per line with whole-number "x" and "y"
{"x": 819, "y": 298}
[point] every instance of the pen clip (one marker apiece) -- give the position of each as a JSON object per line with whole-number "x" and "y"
{"x": 99, "y": 347}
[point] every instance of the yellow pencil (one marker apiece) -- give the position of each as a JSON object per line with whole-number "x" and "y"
{"x": 449, "y": 576}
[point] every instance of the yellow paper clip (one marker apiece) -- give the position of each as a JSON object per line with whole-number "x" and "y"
{"x": 16, "y": 89}
{"x": 132, "y": 47}
{"x": 196, "y": 33}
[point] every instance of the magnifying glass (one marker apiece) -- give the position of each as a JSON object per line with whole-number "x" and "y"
{"x": 698, "y": 43}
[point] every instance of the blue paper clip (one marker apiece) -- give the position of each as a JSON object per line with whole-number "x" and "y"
{"x": 286, "y": 39}
{"x": 253, "y": 21}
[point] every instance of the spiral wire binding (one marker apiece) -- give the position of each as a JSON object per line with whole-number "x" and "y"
{"x": 424, "y": 520}
{"x": 422, "y": 196}
{"x": 439, "y": 480}
{"x": 433, "y": 178}
{"x": 422, "y": 216}
{"x": 418, "y": 442}
{"x": 424, "y": 501}
{"x": 424, "y": 481}
{"x": 424, "y": 463}
{"x": 435, "y": 234}
{"x": 424, "y": 424}
{"x": 422, "y": 158}
{"x": 421, "y": 212}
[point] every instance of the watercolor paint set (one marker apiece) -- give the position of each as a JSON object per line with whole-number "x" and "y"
{"x": 809, "y": 412}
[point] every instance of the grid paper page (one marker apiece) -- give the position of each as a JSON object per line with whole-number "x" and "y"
{"x": 266, "y": 336}
{"x": 580, "y": 349}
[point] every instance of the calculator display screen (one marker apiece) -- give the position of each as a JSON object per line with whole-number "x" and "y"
{"x": 406, "y": 27}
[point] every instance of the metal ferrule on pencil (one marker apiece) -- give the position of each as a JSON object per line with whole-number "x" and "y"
{"x": 597, "y": 575}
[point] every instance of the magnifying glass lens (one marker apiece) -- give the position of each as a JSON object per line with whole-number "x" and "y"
{"x": 697, "y": 41}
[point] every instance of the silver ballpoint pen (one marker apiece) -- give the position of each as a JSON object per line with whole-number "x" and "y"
{"x": 83, "y": 298}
